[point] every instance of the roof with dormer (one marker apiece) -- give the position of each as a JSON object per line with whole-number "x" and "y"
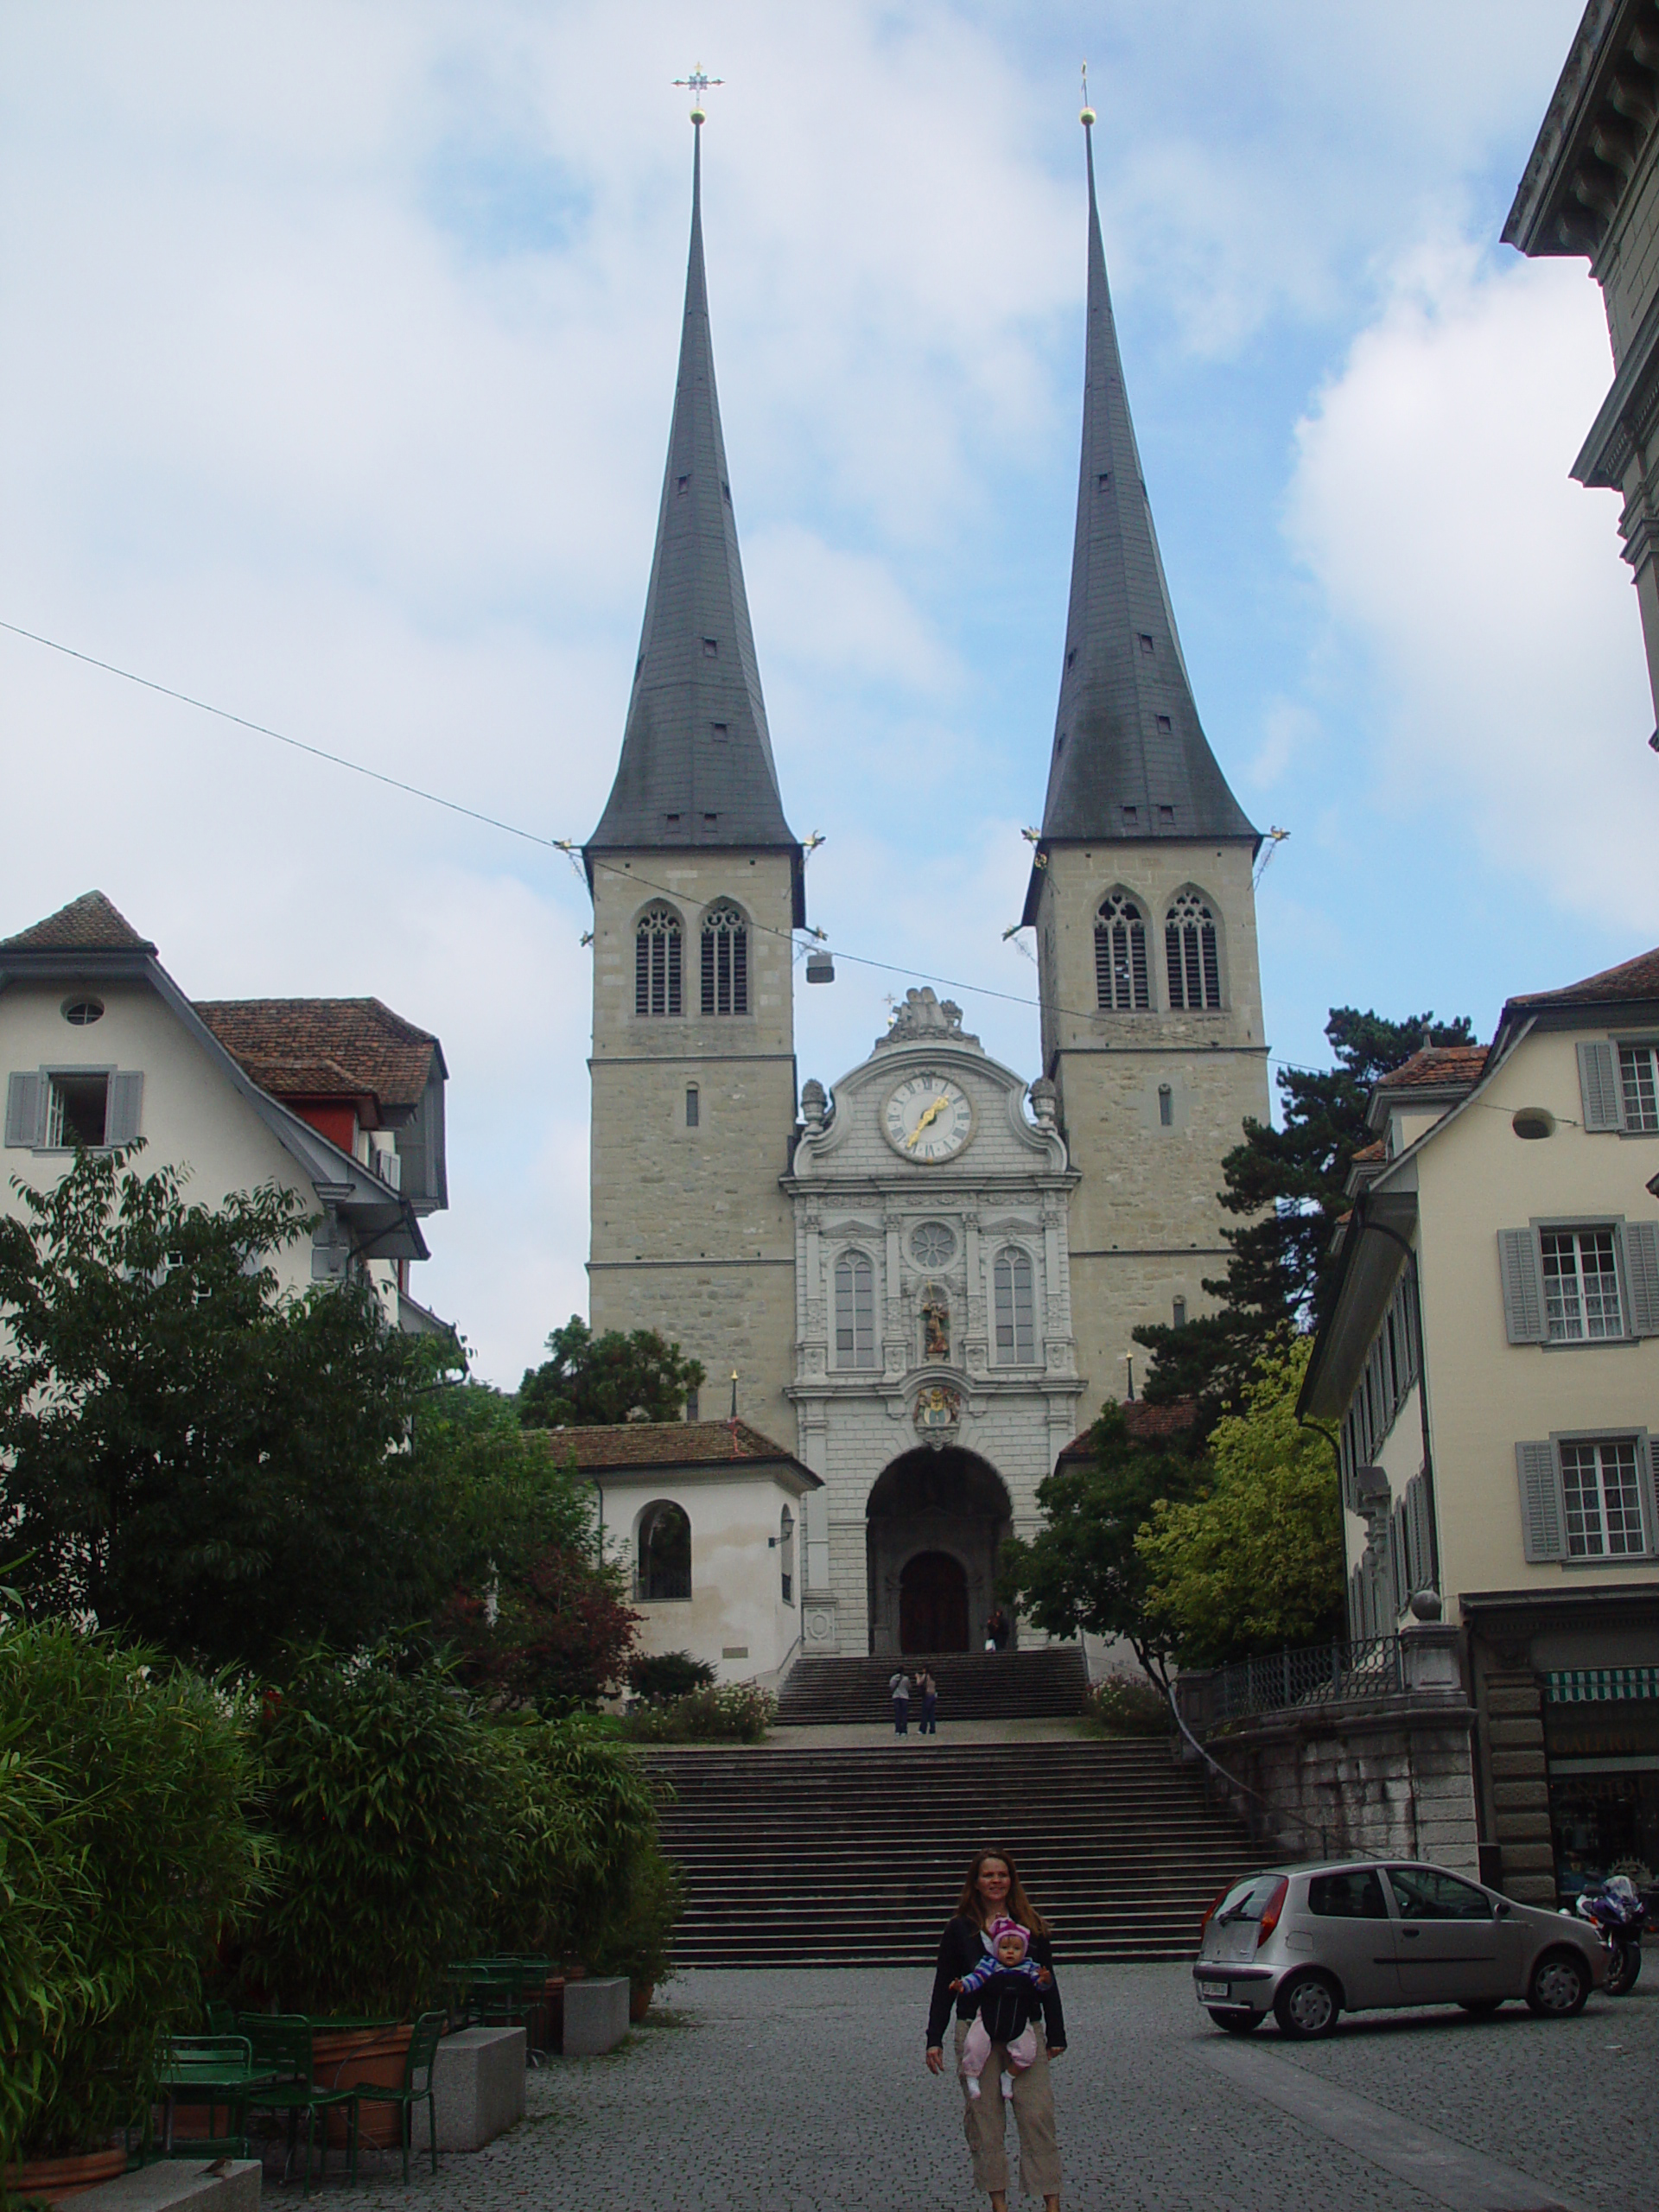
{"x": 696, "y": 768}
{"x": 323, "y": 1048}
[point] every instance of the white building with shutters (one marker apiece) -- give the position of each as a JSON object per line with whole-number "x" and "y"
{"x": 339, "y": 1101}
{"x": 1490, "y": 1364}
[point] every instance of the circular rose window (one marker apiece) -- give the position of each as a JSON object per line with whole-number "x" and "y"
{"x": 933, "y": 1243}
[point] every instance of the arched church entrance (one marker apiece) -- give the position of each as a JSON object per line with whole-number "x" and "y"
{"x": 933, "y": 1522}
{"x": 933, "y": 1603}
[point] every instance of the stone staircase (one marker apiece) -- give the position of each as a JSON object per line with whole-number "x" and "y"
{"x": 973, "y": 1685}
{"x": 857, "y": 1857}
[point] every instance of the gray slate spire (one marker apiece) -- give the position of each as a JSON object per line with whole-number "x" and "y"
{"x": 697, "y": 767}
{"x": 1130, "y": 758}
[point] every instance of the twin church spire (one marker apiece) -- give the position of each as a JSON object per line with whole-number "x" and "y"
{"x": 1130, "y": 760}
{"x": 696, "y": 769}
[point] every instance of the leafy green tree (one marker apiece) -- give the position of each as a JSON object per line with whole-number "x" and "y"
{"x": 1290, "y": 1183}
{"x": 1254, "y": 1561}
{"x": 1082, "y": 1570}
{"x": 591, "y": 1382}
{"x": 187, "y": 1454}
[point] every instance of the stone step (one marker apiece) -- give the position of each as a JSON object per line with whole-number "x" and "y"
{"x": 856, "y": 1855}
{"x": 973, "y": 1685}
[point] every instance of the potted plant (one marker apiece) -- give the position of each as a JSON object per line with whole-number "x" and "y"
{"x": 126, "y": 1846}
{"x": 378, "y": 1783}
{"x": 638, "y": 1938}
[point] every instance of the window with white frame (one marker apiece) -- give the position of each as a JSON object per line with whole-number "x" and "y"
{"x": 1192, "y": 955}
{"x": 1581, "y": 1300}
{"x": 1638, "y": 1091}
{"x": 1601, "y": 1494}
{"x": 855, "y": 1311}
{"x": 1016, "y": 1325}
{"x": 1121, "y": 980}
{"x": 657, "y": 961}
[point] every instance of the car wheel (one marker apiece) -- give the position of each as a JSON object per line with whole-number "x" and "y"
{"x": 1238, "y": 2019}
{"x": 1480, "y": 2007}
{"x": 1307, "y": 2005}
{"x": 1560, "y": 1985}
{"x": 1623, "y": 1968}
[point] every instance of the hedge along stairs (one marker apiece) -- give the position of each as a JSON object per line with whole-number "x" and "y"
{"x": 973, "y": 1685}
{"x": 856, "y": 1858}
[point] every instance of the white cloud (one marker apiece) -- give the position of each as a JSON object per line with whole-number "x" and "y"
{"x": 1432, "y": 500}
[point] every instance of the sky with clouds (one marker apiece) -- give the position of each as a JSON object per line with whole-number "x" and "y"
{"x": 336, "y": 356}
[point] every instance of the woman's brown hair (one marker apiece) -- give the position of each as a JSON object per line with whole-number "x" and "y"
{"x": 1019, "y": 1906}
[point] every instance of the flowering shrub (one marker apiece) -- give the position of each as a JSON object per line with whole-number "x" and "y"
{"x": 1120, "y": 1705}
{"x": 737, "y": 1713}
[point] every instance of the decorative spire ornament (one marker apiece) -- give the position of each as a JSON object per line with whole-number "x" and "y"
{"x": 697, "y": 84}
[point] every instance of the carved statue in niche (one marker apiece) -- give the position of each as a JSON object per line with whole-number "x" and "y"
{"x": 936, "y": 1323}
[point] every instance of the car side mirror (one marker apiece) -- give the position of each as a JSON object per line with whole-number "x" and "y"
{"x": 1503, "y": 1908}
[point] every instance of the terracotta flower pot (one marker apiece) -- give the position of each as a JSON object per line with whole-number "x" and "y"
{"x": 54, "y": 2179}
{"x": 639, "y": 2000}
{"x": 341, "y": 2057}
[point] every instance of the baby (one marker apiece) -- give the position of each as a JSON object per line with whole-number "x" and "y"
{"x": 1007, "y": 2008}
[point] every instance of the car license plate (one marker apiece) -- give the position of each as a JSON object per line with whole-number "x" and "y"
{"x": 1212, "y": 1993}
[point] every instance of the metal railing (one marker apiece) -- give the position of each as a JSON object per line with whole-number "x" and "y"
{"x": 1320, "y": 1673}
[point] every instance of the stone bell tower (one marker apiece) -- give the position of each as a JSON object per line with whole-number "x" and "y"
{"x": 697, "y": 884}
{"x": 1143, "y": 901}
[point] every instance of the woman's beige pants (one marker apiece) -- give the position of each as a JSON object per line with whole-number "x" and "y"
{"x": 984, "y": 2123}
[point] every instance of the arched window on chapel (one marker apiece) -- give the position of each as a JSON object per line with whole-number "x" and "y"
{"x": 656, "y": 962}
{"x": 664, "y": 1553}
{"x": 1192, "y": 955}
{"x": 725, "y": 960}
{"x": 1120, "y": 985}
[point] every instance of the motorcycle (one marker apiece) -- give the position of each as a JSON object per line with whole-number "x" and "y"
{"x": 1618, "y": 1914}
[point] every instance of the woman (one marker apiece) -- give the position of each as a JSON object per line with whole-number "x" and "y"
{"x": 899, "y": 1691}
{"x": 992, "y": 1892}
{"x": 928, "y": 1690}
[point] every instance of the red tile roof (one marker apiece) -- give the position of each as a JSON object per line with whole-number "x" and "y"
{"x": 1437, "y": 1067}
{"x": 89, "y": 924}
{"x": 325, "y": 1048}
{"x": 1147, "y": 1424}
{"x": 667, "y": 1444}
{"x": 1633, "y": 979}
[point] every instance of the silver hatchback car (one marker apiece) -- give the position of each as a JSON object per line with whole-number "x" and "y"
{"x": 1306, "y": 1943}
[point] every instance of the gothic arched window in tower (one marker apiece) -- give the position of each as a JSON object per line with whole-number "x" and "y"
{"x": 1191, "y": 949}
{"x": 855, "y": 1311}
{"x": 725, "y": 960}
{"x": 1121, "y": 984}
{"x": 656, "y": 962}
{"x": 1016, "y": 1327}
{"x": 664, "y": 1552}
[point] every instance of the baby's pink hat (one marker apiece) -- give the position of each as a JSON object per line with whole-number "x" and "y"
{"x": 1006, "y": 1927}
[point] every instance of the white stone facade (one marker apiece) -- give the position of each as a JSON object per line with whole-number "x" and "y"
{"x": 930, "y": 1381}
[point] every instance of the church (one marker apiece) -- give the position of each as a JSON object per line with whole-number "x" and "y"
{"x": 923, "y": 1277}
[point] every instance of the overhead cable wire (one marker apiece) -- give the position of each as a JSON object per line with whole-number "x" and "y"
{"x": 565, "y": 845}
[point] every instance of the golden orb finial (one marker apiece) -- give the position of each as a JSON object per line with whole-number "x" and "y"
{"x": 697, "y": 84}
{"x": 1086, "y": 114}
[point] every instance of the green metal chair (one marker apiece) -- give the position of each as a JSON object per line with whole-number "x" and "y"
{"x": 417, "y": 2089}
{"x": 209, "y": 2070}
{"x": 283, "y": 2040}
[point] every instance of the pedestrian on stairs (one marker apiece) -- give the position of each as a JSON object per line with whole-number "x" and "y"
{"x": 899, "y": 1691}
{"x": 929, "y": 1692}
{"x": 993, "y": 1891}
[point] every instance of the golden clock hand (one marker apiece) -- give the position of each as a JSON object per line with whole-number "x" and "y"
{"x": 931, "y": 1115}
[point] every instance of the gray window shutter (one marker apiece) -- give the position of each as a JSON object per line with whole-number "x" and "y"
{"x": 1422, "y": 1543}
{"x": 1649, "y": 1500}
{"x": 25, "y": 1100}
{"x": 1599, "y": 1085}
{"x": 126, "y": 1108}
{"x": 1542, "y": 1521}
{"x": 1523, "y": 1285}
{"x": 1641, "y": 1275}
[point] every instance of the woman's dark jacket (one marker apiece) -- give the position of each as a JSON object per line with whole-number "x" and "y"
{"x": 961, "y": 1949}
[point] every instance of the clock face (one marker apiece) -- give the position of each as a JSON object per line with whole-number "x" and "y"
{"x": 927, "y": 1119}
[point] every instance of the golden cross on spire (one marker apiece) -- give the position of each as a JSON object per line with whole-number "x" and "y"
{"x": 1087, "y": 116}
{"x": 697, "y": 84}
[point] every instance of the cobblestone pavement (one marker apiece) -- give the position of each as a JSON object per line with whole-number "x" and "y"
{"x": 795, "y": 2091}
